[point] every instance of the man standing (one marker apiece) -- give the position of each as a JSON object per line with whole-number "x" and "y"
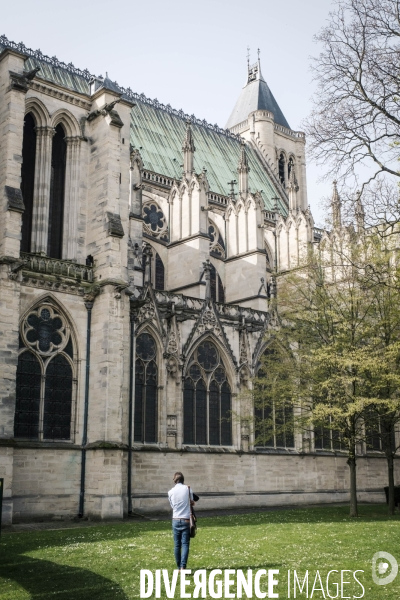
{"x": 179, "y": 499}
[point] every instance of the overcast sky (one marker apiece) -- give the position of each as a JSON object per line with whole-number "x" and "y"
{"x": 191, "y": 55}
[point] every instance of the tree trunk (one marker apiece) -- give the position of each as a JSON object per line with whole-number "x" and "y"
{"x": 353, "y": 485}
{"x": 389, "y": 458}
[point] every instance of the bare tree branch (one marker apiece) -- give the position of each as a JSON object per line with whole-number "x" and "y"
{"x": 355, "y": 122}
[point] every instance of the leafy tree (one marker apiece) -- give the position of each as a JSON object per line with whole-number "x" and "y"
{"x": 333, "y": 321}
{"x": 274, "y": 397}
{"x": 381, "y": 277}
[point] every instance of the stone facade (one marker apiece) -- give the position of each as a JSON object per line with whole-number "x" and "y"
{"x": 91, "y": 422}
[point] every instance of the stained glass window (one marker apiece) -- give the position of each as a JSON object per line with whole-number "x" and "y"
{"x": 57, "y": 192}
{"x": 217, "y": 289}
{"x": 327, "y": 438}
{"x": 207, "y": 401}
{"x": 27, "y": 408}
{"x": 146, "y": 386}
{"x": 154, "y": 221}
{"x": 157, "y": 270}
{"x": 45, "y": 380}
{"x": 274, "y": 421}
{"x": 28, "y": 179}
{"x": 217, "y": 246}
{"x": 153, "y": 216}
{"x": 159, "y": 273}
{"x": 281, "y": 165}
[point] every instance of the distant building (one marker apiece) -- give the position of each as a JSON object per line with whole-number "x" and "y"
{"x": 138, "y": 253}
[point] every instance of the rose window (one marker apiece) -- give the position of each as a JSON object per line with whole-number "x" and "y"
{"x": 44, "y": 331}
{"x": 154, "y": 219}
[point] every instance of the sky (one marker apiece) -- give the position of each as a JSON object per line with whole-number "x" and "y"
{"x": 191, "y": 55}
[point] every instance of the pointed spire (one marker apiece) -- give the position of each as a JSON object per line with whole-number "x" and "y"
{"x": 188, "y": 150}
{"x": 360, "y": 214}
{"x": 336, "y": 207}
{"x": 254, "y": 96}
{"x": 243, "y": 170}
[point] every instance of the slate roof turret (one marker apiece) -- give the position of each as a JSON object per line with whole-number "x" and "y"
{"x": 255, "y": 95}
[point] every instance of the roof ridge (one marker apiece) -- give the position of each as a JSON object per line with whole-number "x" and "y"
{"x": 20, "y": 47}
{"x": 127, "y": 92}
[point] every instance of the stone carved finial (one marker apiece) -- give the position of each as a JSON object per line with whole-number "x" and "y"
{"x": 188, "y": 151}
{"x": 207, "y": 277}
{"x": 188, "y": 144}
{"x": 243, "y": 170}
{"x": 292, "y": 188}
{"x": 243, "y": 162}
{"x": 147, "y": 253}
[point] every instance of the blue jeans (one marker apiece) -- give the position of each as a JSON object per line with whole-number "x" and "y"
{"x": 181, "y": 531}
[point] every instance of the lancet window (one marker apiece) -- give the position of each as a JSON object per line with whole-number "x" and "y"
{"x": 217, "y": 289}
{"x": 207, "y": 399}
{"x": 327, "y": 438}
{"x": 274, "y": 419}
{"x": 146, "y": 390}
{"x": 28, "y": 179}
{"x": 46, "y": 379}
{"x": 159, "y": 273}
{"x": 378, "y": 434}
{"x": 157, "y": 270}
{"x": 282, "y": 168}
{"x": 57, "y": 193}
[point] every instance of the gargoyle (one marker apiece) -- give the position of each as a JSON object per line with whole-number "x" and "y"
{"x": 31, "y": 74}
{"x": 104, "y": 111}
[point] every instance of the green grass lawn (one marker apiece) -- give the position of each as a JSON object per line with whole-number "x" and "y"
{"x": 104, "y": 562}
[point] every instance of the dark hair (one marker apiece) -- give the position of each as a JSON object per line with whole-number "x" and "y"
{"x": 178, "y": 477}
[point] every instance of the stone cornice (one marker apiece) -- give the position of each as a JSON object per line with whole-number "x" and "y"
{"x": 61, "y": 93}
{"x": 54, "y": 284}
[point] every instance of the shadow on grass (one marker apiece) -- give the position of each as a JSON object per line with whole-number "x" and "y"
{"x": 42, "y": 579}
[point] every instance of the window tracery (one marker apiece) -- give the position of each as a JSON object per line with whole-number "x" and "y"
{"x": 207, "y": 399}
{"x": 154, "y": 220}
{"x": 45, "y": 376}
{"x": 217, "y": 246}
{"x": 146, "y": 390}
{"x": 157, "y": 269}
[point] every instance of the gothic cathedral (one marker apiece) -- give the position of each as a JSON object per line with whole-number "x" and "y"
{"x": 139, "y": 249}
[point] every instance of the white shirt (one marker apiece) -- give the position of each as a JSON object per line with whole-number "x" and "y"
{"x": 179, "y": 501}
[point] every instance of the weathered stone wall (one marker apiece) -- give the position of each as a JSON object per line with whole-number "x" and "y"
{"x": 243, "y": 480}
{"x": 46, "y": 482}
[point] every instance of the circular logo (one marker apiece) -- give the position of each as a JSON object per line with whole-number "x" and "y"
{"x": 384, "y": 568}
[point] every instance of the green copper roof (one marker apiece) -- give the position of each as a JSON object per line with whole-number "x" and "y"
{"x": 158, "y": 131}
{"x": 159, "y": 136}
